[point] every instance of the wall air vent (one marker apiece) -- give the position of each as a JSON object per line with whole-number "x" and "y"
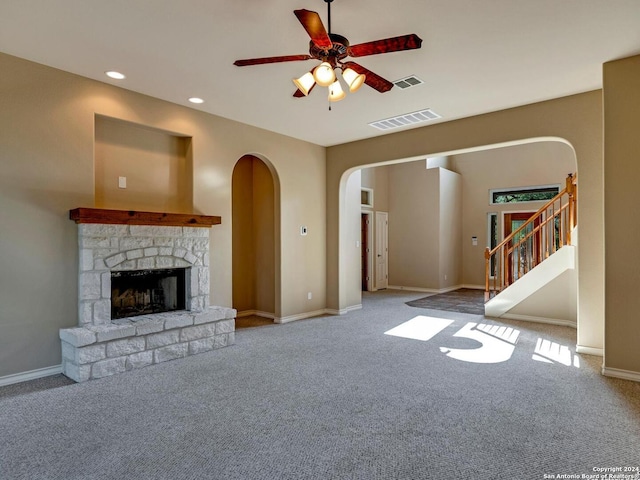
{"x": 407, "y": 119}
{"x": 407, "y": 82}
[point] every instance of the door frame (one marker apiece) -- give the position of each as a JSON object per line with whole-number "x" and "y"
{"x": 370, "y": 245}
{"x": 386, "y": 256}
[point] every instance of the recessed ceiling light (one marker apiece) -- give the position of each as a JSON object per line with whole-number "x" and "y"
{"x": 115, "y": 75}
{"x": 196, "y": 100}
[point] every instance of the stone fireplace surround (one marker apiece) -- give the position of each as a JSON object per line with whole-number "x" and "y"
{"x": 112, "y": 240}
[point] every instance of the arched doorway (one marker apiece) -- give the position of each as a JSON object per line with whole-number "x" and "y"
{"x": 438, "y": 233}
{"x": 254, "y": 241}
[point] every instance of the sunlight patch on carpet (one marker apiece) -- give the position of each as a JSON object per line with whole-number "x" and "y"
{"x": 498, "y": 343}
{"x": 420, "y": 328}
{"x": 551, "y": 352}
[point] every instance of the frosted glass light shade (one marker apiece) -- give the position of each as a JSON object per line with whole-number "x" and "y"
{"x": 335, "y": 92}
{"x": 353, "y": 79}
{"x": 305, "y": 83}
{"x": 324, "y": 74}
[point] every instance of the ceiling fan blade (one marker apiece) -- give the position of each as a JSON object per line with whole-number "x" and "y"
{"x": 314, "y": 27}
{"x": 262, "y": 61}
{"x": 395, "y": 44}
{"x": 375, "y": 81}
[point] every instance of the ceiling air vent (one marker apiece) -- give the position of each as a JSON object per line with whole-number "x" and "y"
{"x": 408, "y": 82}
{"x": 425, "y": 115}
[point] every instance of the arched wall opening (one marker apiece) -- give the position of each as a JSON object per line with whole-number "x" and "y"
{"x": 255, "y": 237}
{"x": 577, "y": 119}
{"x": 589, "y": 331}
{"x": 440, "y": 213}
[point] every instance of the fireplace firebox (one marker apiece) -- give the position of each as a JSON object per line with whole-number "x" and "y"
{"x": 142, "y": 292}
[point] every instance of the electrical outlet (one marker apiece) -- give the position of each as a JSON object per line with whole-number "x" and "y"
{"x": 309, "y": 296}
{"x": 122, "y": 182}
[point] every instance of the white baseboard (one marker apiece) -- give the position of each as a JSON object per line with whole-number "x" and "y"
{"x": 624, "y": 374}
{"x": 597, "y": 352}
{"x": 300, "y": 316}
{"x": 344, "y": 311}
{"x": 30, "y": 375}
{"x": 412, "y": 289}
{"x": 472, "y": 287}
{"x": 257, "y": 313}
{"x": 529, "y": 318}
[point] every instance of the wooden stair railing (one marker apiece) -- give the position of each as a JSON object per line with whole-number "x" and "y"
{"x": 543, "y": 234}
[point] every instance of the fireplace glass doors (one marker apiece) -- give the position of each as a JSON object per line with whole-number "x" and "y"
{"x": 141, "y": 292}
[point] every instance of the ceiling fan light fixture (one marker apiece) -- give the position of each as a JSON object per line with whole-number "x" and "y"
{"x": 324, "y": 74}
{"x": 354, "y": 79}
{"x": 331, "y": 49}
{"x": 305, "y": 83}
{"x": 335, "y": 92}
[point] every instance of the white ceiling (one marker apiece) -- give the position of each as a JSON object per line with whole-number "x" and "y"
{"x": 477, "y": 56}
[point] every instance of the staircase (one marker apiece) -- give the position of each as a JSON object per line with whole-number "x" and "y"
{"x": 533, "y": 256}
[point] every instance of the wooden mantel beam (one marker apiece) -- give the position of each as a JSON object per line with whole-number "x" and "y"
{"x": 131, "y": 217}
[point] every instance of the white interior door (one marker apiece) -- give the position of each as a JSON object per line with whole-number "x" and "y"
{"x": 382, "y": 250}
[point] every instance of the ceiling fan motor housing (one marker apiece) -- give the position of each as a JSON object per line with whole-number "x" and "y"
{"x": 339, "y": 49}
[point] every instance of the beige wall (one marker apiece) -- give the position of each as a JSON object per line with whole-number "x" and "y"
{"x": 576, "y": 119}
{"x": 450, "y": 212}
{"x": 529, "y": 164}
{"x": 157, "y": 167}
{"x": 425, "y": 222}
{"x": 622, "y": 170}
{"x": 47, "y": 140}
{"x": 264, "y": 242}
{"x": 243, "y": 251}
{"x": 378, "y": 180}
{"x": 414, "y": 240}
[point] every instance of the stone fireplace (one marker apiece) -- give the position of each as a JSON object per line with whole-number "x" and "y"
{"x": 143, "y": 293}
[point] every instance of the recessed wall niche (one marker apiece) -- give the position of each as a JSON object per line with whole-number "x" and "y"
{"x": 142, "y": 168}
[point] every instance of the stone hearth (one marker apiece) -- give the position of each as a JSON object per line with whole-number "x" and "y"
{"x": 100, "y": 346}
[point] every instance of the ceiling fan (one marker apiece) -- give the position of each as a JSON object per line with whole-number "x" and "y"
{"x": 332, "y": 49}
